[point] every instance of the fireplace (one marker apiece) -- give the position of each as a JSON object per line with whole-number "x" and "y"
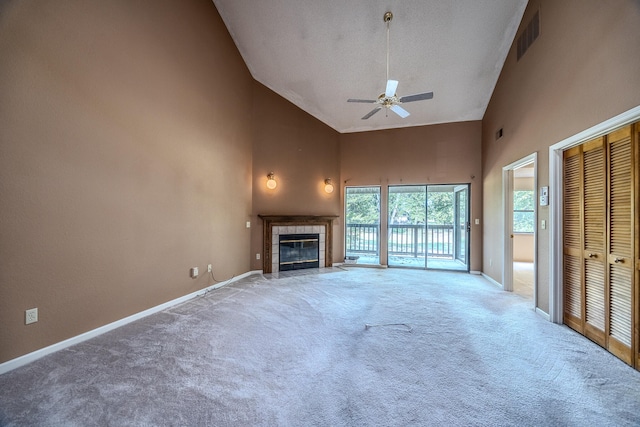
{"x": 274, "y": 226}
{"x": 299, "y": 251}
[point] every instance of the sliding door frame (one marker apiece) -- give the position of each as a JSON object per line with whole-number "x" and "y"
{"x": 455, "y": 189}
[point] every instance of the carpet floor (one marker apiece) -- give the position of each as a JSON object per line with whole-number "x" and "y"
{"x": 332, "y": 347}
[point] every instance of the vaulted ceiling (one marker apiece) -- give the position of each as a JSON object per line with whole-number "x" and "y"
{"x": 317, "y": 54}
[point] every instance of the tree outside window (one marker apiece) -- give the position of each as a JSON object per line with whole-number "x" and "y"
{"x": 523, "y": 211}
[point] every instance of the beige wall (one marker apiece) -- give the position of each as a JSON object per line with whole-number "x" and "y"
{"x": 523, "y": 247}
{"x": 582, "y": 70}
{"x": 439, "y": 154}
{"x": 302, "y": 152}
{"x": 125, "y": 132}
{"x": 135, "y": 145}
{"x": 523, "y": 184}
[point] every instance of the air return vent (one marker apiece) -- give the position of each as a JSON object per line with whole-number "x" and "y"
{"x": 529, "y": 35}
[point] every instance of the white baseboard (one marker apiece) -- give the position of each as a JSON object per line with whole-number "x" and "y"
{"x": 475, "y": 272}
{"x": 492, "y": 281}
{"x": 543, "y": 314}
{"x": 30, "y": 357}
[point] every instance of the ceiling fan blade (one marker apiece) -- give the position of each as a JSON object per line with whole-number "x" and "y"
{"x": 371, "y": 113}
{"x": 417, "y": 97}
{"x": 392, "y": 85}
{"x": 365, "y": 101}
{"x": 399, "y": 111}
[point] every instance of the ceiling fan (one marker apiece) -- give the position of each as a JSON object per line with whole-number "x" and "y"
{"x": 389, "y": 99}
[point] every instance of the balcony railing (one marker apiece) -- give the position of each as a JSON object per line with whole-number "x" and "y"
{"x": 405, "y": 240}
{"x": 362, "y": 238}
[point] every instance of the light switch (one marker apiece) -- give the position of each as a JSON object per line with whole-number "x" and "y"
{"x": 543, "y": 224}
{"x": 477, "y": 221}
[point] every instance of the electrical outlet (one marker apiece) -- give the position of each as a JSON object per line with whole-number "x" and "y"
{"x": 258, "y": 255}
{"x": 194, "y": 272}
{"x": 31, "y": 316}
{"x": 248, "y": 224}
{"x": 209, "y": 268}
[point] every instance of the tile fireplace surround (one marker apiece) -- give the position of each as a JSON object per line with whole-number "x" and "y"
{"x": 275, "y": 225}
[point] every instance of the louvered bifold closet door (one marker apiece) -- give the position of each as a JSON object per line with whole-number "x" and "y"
{"x": 636, "y": 300}
{"x": 620, "y": 245}
{"x": 572, "y": 239}
{"x": 594, "y": 253}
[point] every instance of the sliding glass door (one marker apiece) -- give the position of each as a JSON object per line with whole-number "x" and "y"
{"x": 428, "y": 226}
{"x": 362, "y": 225}
{"x": 462, "y": 226}
{"x": 407, "y": 225}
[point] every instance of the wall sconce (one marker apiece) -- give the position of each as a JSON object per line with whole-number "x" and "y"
{"x": 271, "y": 181}
{"x": 328, "y": 186}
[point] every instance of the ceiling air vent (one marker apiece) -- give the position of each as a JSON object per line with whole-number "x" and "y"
{"x": 529, "y": 35}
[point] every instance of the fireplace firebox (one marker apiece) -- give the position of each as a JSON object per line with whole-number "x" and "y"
{"x": 299, "y": 251}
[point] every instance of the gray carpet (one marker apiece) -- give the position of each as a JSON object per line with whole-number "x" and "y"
{"x": 439, "y": 349}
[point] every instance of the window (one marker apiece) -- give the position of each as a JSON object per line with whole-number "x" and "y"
{"x": 523, "y": 211}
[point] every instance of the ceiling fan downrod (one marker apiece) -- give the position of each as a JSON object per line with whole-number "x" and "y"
{"x": 388, "y": 16}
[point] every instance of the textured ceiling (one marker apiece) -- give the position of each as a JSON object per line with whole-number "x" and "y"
{"x": 318, "y": 54}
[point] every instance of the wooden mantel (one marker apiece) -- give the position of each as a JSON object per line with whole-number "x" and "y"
{"x": 269, "y": 221}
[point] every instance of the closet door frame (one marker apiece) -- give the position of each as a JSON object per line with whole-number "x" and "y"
{"x": 556, "y": 305}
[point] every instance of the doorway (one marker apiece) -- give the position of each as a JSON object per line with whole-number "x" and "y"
{"x": 428, "y": 226}
{"x": 523, "y": 229}
{"x": 520, "y": 227}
